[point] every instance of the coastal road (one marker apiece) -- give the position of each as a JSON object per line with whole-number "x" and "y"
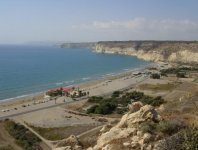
{"x": 33, "y": 110}
{"x": 51, "y": 104}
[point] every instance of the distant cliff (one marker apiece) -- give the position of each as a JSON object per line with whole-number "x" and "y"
{"x": 90, "y": 45}
{"x": 171, "y": 51}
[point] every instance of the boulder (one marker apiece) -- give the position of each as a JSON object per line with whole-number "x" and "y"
{"x": 135, "y": 106}
{"x": 145, "y": 113}
{"x": 147, "y": 138}
{"x": 115, "y": 134}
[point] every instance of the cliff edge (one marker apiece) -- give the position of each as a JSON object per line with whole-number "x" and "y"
{"x": 170, "y": 51}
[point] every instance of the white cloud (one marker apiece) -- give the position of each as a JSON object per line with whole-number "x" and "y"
{"x": 141, "y": 28}
{"x": 131, "y": 24}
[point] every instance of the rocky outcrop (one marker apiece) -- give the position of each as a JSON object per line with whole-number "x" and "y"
{"x": 126, "y": 134}
{"x": 70, "y": 143}
{"x": 171, "y": 51}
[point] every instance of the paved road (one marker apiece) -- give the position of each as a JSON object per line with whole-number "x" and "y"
{"x": 63, "y": 103}
{"x": 29, "y": 111}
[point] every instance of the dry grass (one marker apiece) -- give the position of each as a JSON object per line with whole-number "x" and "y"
{"x": 158, "y": 87}
{"x": 55, "y": 134}
{"x": 6, "y": 141}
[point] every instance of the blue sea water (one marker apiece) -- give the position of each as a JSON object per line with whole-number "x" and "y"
{"x": 29, "y": 69}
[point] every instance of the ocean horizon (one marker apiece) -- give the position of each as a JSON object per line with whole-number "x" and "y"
{"x": 25, "y": 70}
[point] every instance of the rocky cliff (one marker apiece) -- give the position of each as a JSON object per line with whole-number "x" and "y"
{"x": 90, "y": 45}
{"x": 171, "y": 51}
{"x": 131, "y": 133}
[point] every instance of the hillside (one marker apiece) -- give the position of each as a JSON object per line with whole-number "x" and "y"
{"x": 171, "y": 51}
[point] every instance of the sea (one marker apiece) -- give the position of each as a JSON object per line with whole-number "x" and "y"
{"x": 26, "y": 70}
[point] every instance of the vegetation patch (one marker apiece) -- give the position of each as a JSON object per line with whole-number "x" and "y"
{"x": 155, "y": 76}
{"x": 186, "y": 139}
{"x": 190, "y": 139}
{"x": 55, "y": 134}
{"x": 23, "y": 136}
{"x": 52, "y": 134}
{"x": 179, "y": 71}
{"x": 166, "y": 127}
{"x": 118, "y": 102}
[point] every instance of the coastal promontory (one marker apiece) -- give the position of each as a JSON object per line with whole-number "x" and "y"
{"x": 171, "y": 51}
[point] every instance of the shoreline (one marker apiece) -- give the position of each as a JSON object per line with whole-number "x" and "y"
{"x": 83, "y": 84}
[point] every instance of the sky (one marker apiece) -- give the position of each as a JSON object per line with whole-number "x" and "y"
{"x": 26, "y": 21}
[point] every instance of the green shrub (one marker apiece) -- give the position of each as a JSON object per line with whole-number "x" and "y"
{"x": 116, "y": 94}
{"x": 168, "y": 127}
{"x": 155, "y": 76}
{"x": 23, "y": 136}
{"x": 92, "y": 109}
{"x": 148, "y": 127}
{"x": 136, "y": 96}
{"x": 190, "y": 137}
{"x": 154, "y": 101}
{"x": 95, "y": 99}
{"x": 157, "y": 101}
{"x": 105, "y": 108}
{"x": 109, "y": 105}
{"x": 121, "y": 110}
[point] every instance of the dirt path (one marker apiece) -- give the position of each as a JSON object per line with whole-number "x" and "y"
{"x": 48, "y": 143}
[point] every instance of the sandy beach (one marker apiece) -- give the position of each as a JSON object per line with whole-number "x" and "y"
{"x": 96, "y": 87}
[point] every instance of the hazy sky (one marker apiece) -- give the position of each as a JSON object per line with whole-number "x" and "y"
{"x": 24, "y": 21}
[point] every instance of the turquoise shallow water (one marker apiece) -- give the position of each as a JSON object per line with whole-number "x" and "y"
{"x": 29, "y": 69}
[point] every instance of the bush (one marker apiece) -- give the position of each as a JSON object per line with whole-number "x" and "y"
{"x": 154, "y": 101}
{"x": 104, "y": 108}
{"x": 108, "y": 105}
{"x": 157, "y": 101}
{"x": 190, "y": 137}
{"x": 168, "y": 127}
{"x": 92, "y": 109}
{"x": 116, "y": 94}
{"x": 95, "y": 99}
{"x": 136, "y": 96}
{"x": 164, "y": 74}
{"x": 121, "y": 110}
{"x": 165, "y": 127}
{"x": 155, "y": 76}
{"x": 149, "y": 127}
{"x": 23, "y": 136}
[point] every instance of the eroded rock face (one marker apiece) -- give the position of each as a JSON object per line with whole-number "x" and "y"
{"x": 126, "y": 135}
{"x": 145, "y": 113}
{"x": 185, "y": 52}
